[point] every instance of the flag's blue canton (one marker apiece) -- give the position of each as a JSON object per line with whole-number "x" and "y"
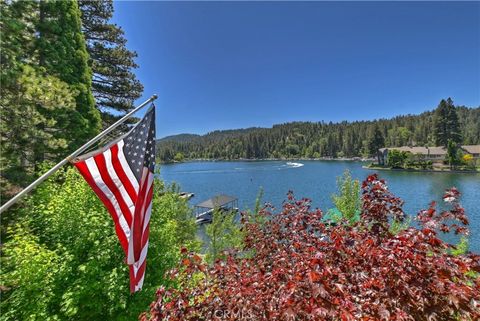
{"x": 139, "y": 148}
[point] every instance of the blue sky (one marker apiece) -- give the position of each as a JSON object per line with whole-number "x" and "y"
{"x": 223, "y": 65}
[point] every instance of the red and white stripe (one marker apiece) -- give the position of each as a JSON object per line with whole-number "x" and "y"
{"x": 128, "y": 202}
{"x": 139, "y": 231}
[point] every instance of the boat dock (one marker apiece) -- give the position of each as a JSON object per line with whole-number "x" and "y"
{"x": 204, "y": 210}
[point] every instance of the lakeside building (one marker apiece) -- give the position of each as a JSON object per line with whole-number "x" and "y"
{"x": 473, "y": 150}
{"x": 434, "y": 154}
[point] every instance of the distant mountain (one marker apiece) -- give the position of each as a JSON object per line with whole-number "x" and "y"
{"x": 216, "y": 134}
{"x": 178, "y": 138}
{"x": 314, "y": 139}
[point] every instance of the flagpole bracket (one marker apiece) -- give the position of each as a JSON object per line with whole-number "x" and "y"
{"x": 71, "y": 159}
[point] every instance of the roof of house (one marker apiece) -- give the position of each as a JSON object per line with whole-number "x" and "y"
{"x": 472, "y": 149}
{"x": 419, "y": 150}
{"x": 438, "y": 150}
{"x": 217, "y": 201}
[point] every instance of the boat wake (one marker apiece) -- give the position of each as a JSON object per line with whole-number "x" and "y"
{"x": 294, "y": 165}
{"x": 267, "y": 167}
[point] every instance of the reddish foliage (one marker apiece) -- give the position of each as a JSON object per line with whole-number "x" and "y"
{"x": 295, "y": 267}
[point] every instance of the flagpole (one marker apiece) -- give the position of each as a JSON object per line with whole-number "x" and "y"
{"x": 52, "y": 170}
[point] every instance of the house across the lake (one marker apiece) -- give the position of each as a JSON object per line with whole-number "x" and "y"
{"x": 434, "y": 154}
{"x": 473, "y": 150}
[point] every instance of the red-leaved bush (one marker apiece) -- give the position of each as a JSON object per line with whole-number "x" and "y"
{"x": 297, "y": 267}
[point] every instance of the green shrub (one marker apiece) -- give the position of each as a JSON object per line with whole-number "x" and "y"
{"x": 461, "y": 248}
{"x": 396, "y": 158}
{"x": 223, "y": 234}
{"x": 397, "y": 226}
{"x": 347, "y": 201}
{"x": 179, "y": 157}
{"x": 63, "y": 261}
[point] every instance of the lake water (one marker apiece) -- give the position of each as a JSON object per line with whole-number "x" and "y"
{"x": 317, "y": 181}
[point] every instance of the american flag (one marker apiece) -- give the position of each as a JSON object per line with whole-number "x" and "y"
{"x": 121, "y": 174}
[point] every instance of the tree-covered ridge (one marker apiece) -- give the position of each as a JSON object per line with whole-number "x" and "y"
{"x": 180, "y": 137}
{"x": 318, "y": 139}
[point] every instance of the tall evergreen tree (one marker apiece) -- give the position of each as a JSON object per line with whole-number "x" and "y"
{"x": 375, "y": 142}
{"x": 446, "y": 124}
{"x": 32, "y": 100}
{"x": 452, "y": 150}
{"x": 62, "y": 52}
{"x": 115, "y": 86}
{"x": 16, "y": 41}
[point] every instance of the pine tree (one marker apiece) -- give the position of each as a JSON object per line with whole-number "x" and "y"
{"x": 375, "y": 142}
{"x": 446, "y": 124}
{"x": 31, "y": 99}
{"x": 115, "y": 86}
{"x": 62, "y": 52}
{"x": 452, "y": 150}
{"x": 16, "y": 40}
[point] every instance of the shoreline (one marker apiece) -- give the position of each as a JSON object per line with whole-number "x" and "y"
{"x": 343, "y": 159}
{"x": 421, "y": 170}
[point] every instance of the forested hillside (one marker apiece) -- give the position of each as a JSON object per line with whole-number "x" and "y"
{"x": 317, "y": 139}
